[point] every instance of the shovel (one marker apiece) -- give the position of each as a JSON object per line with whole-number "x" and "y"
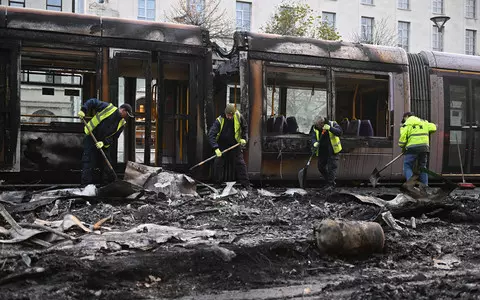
{"x": 118, "y": 188}
{"x": 375, "y": 176}
{"x": 213, "y": 156}
{"x": 302, "y": 174}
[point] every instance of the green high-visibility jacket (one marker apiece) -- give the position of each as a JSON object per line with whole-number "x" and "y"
{"x": 415, "y": 135}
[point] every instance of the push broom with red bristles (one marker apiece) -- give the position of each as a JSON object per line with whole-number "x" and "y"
{"x": 463, "y": 184}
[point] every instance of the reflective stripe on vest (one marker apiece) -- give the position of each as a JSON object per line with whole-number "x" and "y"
{"x": 417, "y": 136}
{"x": 334, "y": 140}
{"x": 236, "y": 126}
{"x": 120, "y": 125}
{"x": 99, "y": 117}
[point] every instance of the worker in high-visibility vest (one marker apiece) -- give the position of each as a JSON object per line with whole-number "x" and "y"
{"x": 106, "y": 124}
{"x": 415, "y": 142}
{"x": 229, "y": 129}
{"x": 326, "y": 143}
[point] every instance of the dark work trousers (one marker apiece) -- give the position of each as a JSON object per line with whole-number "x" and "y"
{"x": 230, "y": 167}
{"x": 94, "y": 167}
{"x": 327, "y": 166}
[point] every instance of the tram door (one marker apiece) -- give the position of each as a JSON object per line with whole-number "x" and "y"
{"x": 9, "y": 109}
{"x": 162, "y": 90}
{"x": 132, "y": 74}
{"x": 462, "y": 125}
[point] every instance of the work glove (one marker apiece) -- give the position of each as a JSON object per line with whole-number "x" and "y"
{"x": 315, "y": 145}
{"x": 326, "y": 127}
{"x": 99, "y": 145}
{"x": 81, "y": 114}
{"x": 243, "y": 142}
{"x": 218, "y": 152}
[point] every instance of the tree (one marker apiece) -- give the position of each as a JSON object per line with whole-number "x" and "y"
{"x": 298, "y": 19}
{"x": 381, "y": 34}
{"x": 205, "y": 13}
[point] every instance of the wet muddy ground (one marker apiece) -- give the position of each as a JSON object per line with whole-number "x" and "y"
{"x": 264, "y": 249}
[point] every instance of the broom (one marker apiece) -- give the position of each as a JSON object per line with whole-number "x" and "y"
{"x": 463, "y": 184}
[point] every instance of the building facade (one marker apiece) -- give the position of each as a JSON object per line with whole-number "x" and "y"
{"x": 408, "y": 21}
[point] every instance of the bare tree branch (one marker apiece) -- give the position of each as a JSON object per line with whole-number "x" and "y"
{"x": 382, "y": 34}
{"x": 205, "y": 13}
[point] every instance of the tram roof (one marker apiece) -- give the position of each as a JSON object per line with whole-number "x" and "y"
{"x": 301, "y": 46}
{"x": 36, "y": 20}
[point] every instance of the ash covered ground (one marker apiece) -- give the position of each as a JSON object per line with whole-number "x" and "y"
{"x": 243, "y": 246}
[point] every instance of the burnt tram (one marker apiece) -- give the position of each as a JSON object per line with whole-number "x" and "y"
{"x": 54, "y": 61}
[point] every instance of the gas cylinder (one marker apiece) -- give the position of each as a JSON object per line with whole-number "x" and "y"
{"x": 349, "y": 237}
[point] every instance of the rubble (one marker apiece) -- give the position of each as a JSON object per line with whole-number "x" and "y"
{"x": 222, "y": 241}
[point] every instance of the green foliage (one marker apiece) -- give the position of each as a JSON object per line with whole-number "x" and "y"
{"x": 298, "y": 19}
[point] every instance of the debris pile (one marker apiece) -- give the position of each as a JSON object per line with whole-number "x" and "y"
{"x": 176, "y": 237}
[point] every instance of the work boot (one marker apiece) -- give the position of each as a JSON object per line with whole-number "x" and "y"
{"x": 329, "y": 188}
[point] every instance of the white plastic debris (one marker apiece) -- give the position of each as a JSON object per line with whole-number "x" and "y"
{"x": 266, "y": 193}
{"x": 293, "y": 191}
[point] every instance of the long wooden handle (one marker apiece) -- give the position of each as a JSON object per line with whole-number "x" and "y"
{"x": 213, "y": 156}
{"x": 101, "y": 150}
{"x": 391, "y": 162}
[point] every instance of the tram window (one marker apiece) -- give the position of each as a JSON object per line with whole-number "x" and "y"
{"x": 361, "y": 104}
{"x": 50, "y": 96}
{"x": 294, "y": 98}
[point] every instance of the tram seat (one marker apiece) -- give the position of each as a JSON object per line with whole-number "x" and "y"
{"x": 353, "y": 128}
{"x": 366, "y": 128}
{"x": 292, "y": 125}
{"x": 280, "y": 125}
{"x": 270, "y": 124}
{"x": 344, "y": 124}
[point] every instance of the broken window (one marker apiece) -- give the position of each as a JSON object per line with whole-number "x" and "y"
{"x": 294, "y": 98}
{"x": 361, "y": 104}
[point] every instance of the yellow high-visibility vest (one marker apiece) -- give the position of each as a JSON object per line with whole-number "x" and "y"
{"x": 236, "y": 126}
{"x": 99, "y": 117}
{"x": 334, "y": 140}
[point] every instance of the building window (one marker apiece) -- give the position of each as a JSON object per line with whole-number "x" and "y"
{"x": 16, "y": 3}
{"x": 55, "y": 5}
{"x": 437, "y": 6}
{"x": 329, "y": 18}
{"x": 146, "y": 10}
{"x": 403, "y": 4}
{"x": 437, "y": 39}
{"x": 197, "y": 6}
{"x": 403, "y": 33}
{"x": 367, "y": 2}
{"x": 244, "y": 13}
{"x": 80, "y": 9}
{"x": 470, "y": 40}
{"x": 470, "y": 7}
{"x": 367, "y": 29}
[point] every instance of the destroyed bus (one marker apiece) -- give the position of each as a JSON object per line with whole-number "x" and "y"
{"x": 280, "y": 84}
{"x": 52, "y": 62}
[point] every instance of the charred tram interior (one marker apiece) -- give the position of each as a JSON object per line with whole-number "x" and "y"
{"x": 51, "y": 65}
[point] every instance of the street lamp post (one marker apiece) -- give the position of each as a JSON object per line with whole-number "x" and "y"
{"x": 440, "y": 21}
